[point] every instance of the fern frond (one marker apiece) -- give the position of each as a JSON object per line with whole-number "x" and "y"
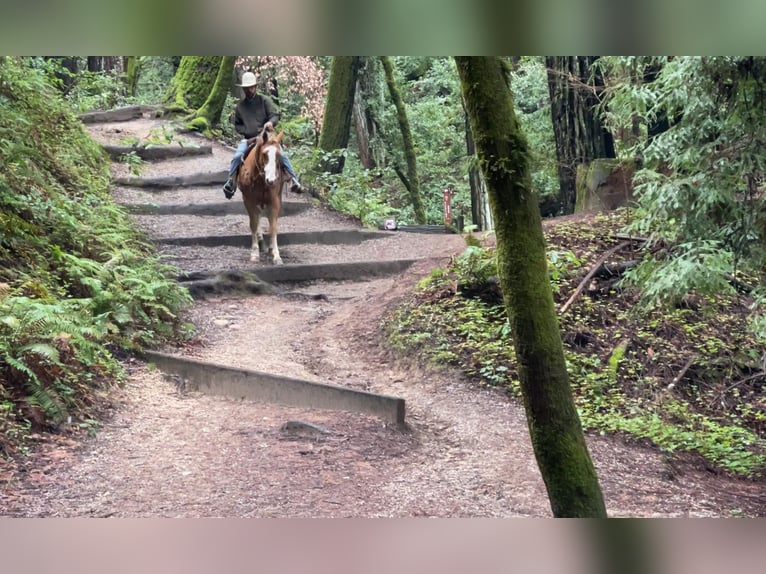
{"x": 44, "y": 350}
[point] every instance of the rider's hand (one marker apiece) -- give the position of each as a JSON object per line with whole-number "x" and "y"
{"x": 268, "y": 126}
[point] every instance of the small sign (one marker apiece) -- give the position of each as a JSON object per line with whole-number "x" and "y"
{"x": 447, "y": 205}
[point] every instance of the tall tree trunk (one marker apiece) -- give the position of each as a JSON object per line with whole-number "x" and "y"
{"x": 193, "y": 82}
{"x": 338, "y": 109}
{"x": 579, "y": 132}
{"x": 362, "y": 128}
{"x": 102, "y": 63}
{"x": 132, "y": 69}
{"x": 411, "y": 181}
{"x": 554, "y": 426}
{"x": 68, "y": 77}
{"x": 481, "y": 214}
{"x": 370, "y": 96}
{"x": 209, "y": 114}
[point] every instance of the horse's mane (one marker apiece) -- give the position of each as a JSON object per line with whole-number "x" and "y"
{"x": 255, "y": 143}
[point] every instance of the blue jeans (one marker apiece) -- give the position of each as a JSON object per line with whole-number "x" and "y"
{"x": 237, "y": 159}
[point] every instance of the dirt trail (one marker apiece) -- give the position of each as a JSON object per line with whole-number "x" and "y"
{"x": 167, "y": 452}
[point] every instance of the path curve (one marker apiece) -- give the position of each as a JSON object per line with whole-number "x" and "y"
{"x": 170, "y": 452}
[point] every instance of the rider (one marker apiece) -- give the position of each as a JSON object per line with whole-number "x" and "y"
{"x": 252, "y": 114}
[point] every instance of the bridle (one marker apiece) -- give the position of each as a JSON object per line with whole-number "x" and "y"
{"x": 261, "y": 172}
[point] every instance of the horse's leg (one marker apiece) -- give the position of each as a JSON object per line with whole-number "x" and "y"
{"x": 273, "y": 247}
{"x": 257, "y": 237}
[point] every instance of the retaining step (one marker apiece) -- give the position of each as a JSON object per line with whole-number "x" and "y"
{"x": 260, "y": 278}
{"x": 173, "y": 181}
{"x": 324, "y": 237}
{"x": 117, "y": 115}
{"x": 154, "y": 152}
{"x": 257, "y": 386}
{"x": 232, "y": 207}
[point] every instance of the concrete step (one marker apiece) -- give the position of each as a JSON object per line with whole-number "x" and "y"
{"x": 219, "y": 380}
{"x": 323, "y": 237}
{"x": 208, "y": 208}
{"x": 259, "y": 280}
{"x": 157, "y": 152}
{"x": 173, "y": 181}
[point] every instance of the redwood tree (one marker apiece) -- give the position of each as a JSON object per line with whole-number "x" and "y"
{"x": 580, "y": 134}
{"x": 554, "y": 426}
{"x": 336, "y": 123}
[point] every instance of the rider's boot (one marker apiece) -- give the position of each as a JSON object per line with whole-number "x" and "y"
{"x": 230, "y": 187}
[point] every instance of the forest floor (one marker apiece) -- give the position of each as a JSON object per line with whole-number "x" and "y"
{"x": 162, "y": 451}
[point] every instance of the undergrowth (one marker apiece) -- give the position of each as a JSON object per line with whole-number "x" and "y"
{"x": 78, "y": 286}
{"x": 680, "y": 378}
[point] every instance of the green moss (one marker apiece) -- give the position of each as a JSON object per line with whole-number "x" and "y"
{"x": 336, "y": 124}
{"x": 193, "y": 82}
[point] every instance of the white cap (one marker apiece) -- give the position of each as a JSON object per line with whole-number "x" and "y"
{"x": 248, "y": 79}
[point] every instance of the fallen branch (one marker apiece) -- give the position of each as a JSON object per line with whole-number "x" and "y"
{"x": 607, "y": 271}
{"x": 591, "y": 273}
{"x": 682, "y": 372}
{"x": 739, "y": 285}
{"x": 747, "y": 379}
{"x": 624, "y": 237}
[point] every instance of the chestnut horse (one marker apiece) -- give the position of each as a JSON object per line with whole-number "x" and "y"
{"x": 261, "y": 177}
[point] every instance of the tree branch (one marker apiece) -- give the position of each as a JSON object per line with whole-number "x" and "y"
{"x": 591, "y": 273}
{"x": 403, "y": 177}
{"x": 720, "y": 395}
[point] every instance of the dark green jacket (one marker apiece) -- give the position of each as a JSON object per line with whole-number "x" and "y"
{"x": 251, "y": 114}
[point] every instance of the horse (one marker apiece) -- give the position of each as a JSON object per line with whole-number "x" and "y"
{"x": 261, "y": 178}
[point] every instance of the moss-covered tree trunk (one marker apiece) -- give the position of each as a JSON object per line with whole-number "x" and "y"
{"x": 192, "y": 83}
{"x": 364, "y": 126}
{"x": 371, "y": 96}
{"x": 554, "y": 426}
{"x": 411, "y": 181}
{"x": 132, "y": 70}
{"x": 481, "y": 214}
{"x": 577, "y": 126}
{"x": 336, "y": 124}
{"x": 208, "y": 115}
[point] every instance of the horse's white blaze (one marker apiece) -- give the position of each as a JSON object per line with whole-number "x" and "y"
{"x": 270, "y": 169}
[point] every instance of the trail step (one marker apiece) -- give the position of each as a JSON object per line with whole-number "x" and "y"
{"x": 324, "y": 237}
{"x": 157, "y": 152}
{"x": 263, "y": 387}
{"x": 173, "y": 181}
{"x": 259, "y": 278}
{"x": 218, "y": 208}
{"x": 117, "y": 115}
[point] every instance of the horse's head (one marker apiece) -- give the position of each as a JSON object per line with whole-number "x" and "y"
{"x": 269, "y": 158}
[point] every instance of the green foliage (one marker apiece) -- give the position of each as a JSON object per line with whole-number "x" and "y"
{"x": 84, "y": 90}
{"x": 529, "y": 84}
{"x": 134, "y": 162}
{"x": 699, "y": 190}
{"x": 77, "y": 283}
{"x": 623, "y": 366}
{"x": 154, "y": 75}
{"x": 429, "y": 87}
{"x": 97, "y": 91}
{"x": 475, "y": 266}
{"x": 355, "y": 191}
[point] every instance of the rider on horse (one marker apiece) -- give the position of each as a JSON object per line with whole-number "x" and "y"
{"x": 253, "y": 113}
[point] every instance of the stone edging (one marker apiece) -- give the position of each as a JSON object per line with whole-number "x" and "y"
{"x": 236, "y": 383}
